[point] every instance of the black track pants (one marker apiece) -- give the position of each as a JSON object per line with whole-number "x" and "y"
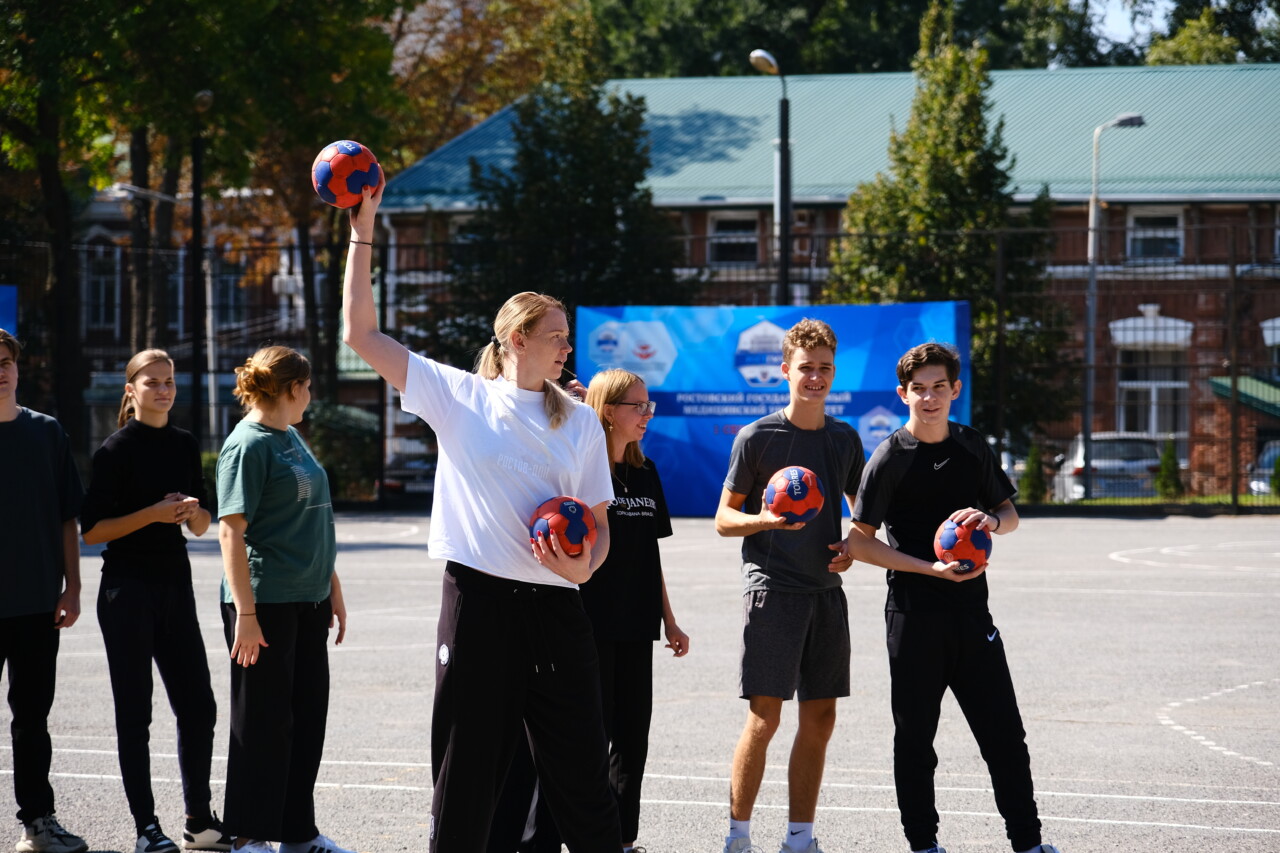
{"x": 509, "y": 652}
{"x": 143, "y": 621}
{"x": 928, "y": 653}
{"x": 279, "y": 707}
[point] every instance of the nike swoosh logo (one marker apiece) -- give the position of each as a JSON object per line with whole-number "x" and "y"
{"x": 992, "y": 635}
{"x": 796, "y": 831}
{"x": 937, "y": 466}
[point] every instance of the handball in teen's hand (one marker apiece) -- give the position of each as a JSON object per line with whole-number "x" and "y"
{"x": 794, "y": 493}
{"x": 569, "y": 517}
{"x": 341, "y": 170}
{"x": 969, "y": 546}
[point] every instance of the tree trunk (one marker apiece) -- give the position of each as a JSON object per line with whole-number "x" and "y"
{"x": 140, "y": 333}
{"x": 309, "y": 300}
{"x": 68, "y": 369}
{"x": 165, "y": 263}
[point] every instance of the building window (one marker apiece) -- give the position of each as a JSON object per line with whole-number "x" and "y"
{"x": 733, "y": 238}
{"x": 1271, "y": 340}
{"x": 1155, "y": 233}
{"x": 1152, "y": 392}
{"x": 229, "y": 303}
{"x": 101, "y": 273}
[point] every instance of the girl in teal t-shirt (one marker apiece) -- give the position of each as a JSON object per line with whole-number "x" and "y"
{"x": 280, "y": 598}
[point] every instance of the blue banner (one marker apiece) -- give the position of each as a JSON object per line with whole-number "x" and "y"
{"x": 9, "y": 309}
{"x": 712, "y": 371}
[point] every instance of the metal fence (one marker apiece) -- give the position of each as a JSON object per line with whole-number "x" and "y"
{"x": 1186, "y": 332}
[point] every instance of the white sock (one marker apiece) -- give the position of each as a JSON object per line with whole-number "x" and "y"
{"x": 799, "y": 835}
{"x": 739, "y": 828}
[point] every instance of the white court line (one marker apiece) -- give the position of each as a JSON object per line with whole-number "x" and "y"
{"x": 1039, "y": 792}
{"x": 719, "y": 805}
{"x": 174, "y": 755}
{"x": 1165, "y": 718}
{"x": 1128, "y": 555}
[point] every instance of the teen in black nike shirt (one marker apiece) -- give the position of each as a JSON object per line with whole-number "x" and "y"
{"x": 940, "y": 635}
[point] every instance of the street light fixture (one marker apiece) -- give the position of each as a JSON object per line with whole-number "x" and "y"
{"x": 1091, "y": 300}
{"x": 763, "y": 61}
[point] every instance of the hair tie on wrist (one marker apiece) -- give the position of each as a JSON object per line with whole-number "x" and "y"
{"x": 362, "y": 243}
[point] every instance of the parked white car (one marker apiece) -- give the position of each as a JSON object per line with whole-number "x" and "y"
{"x": 1124, "y": 466}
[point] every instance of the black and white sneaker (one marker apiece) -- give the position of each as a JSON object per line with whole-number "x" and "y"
{"x": 153, "y": 840}
{"x": 205, "y": 834}
{"x": 46, "y": 835}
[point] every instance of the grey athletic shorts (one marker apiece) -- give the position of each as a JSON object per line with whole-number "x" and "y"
{"x": 795, "y": 643}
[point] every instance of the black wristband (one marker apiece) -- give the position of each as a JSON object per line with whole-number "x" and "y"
{"x": 361, "y": 243}
{"x": 998, "y": 521}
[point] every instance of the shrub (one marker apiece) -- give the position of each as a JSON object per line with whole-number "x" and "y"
{"x": 1169, "y": 477}
{"x": 209, "y": 468}
{"x": 1032, "y": 485}
{"x": 347, "y": 442}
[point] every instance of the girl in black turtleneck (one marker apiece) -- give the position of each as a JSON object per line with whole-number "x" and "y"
{"x": 147, "y": 483}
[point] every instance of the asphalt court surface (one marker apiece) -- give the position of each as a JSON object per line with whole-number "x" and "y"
{"x": 1145, "y": 653}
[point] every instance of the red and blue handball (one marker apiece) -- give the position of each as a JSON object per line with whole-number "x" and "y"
{"x": 794, "y": 493}
{"x": 341, "y": 170}
{"x": 568, "y": 517}
{"x": 969, "y": 546}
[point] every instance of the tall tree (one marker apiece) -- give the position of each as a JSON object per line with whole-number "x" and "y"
{"x": 1253, "y": 26}
{"x": 688, "y": 38}
{"x": 51, "y": 55}
{"x": 940, "y": 224}
{"x": 1199, "y": 42}
{"x": 571, "y": 216}
{"x": 460, "y": 61}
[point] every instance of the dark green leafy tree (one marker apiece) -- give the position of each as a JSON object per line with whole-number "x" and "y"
{"x": 941, "y": 224}
{"x": 1198, "y": 42}
{"x": 1032, "y": 485}
{"x": 571, "y": 217}
{"x": 686, "y": 38}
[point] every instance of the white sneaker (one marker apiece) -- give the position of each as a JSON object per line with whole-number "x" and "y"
{"x": 319, "y": 844}
{"x": 256, "y": 846}
{"x": 740, "y": 845}
{"x": 46, "y": 835}
{"x": 812, "y": 848}
{"x": 935, "y": 849}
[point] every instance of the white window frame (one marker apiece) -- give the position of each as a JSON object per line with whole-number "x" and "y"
{"x": 1167, "y": 402}
{"x": 101, "y": 308}
{"x": 1135, "y": 232}
{"x": 714, "y": 218}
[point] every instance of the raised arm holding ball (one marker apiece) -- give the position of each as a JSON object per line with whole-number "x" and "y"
{"x": 509, "y": 438}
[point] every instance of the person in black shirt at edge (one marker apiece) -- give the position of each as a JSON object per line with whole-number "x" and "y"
{"x": 625, "y": 600}
{"x": 940, "y": 635}
{"x": 147, "y": 484}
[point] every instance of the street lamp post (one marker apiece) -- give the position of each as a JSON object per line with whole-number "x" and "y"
{"x": 762, "y": 60}
{"x": 1091, "y": 300}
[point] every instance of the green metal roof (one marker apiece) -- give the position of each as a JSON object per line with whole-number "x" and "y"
{"x": 1255, "y": 393}
{"x": 1212, "y": 134}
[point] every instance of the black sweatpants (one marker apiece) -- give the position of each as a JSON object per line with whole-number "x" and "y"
{"x": 143, "y": 621}
{"x": 29, "y": 650}
{"x": 279, "y": 706}
{"x": 626, "y": 682}
{"x": 509, "y": 652}
{"x": 930, "y": 651}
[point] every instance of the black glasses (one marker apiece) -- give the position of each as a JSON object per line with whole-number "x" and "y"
{"x": 644, "y": 407}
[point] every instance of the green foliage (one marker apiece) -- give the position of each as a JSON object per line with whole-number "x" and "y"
{"x": 1275, "y": 477}
{"x": 933, "y": 226}
{"x": 1215, "y": 32}
{"x": 571, "y": 218}
{"x": 1032, "y": 485}
{"x": 1169, "y": 477}
{"x": 347, "y": 442}
{"x": 209, "y": 470}
{"x": 1198, "y": 42}
{"x": 694, "y": 38}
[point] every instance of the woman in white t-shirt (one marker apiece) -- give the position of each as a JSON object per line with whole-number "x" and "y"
{"x": 515, "y": 652}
